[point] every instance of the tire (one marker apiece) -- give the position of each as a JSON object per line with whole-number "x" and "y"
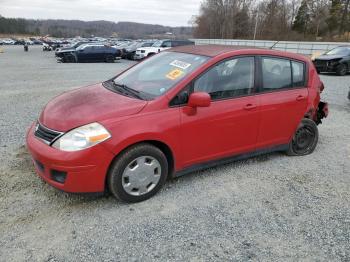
{"x": 342, "y": 70}
{"x": 151, "y": 54}
{"x": 69, "y": 59}
{"x": 304, "y": 140}
{"x": 138, "y": 173}
{"x": 109, "y": 59}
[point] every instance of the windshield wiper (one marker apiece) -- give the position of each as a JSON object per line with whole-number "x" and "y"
{"x": 128, "y": 90}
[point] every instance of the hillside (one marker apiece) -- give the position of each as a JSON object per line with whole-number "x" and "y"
{"x": 72, "y": 28}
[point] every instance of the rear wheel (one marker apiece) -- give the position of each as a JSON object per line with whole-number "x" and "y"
{"x": 138, "y": 173}
{"x": 109, "y": 59}
{"x": 305, "y": 139}
{"x": 341, "y": 70}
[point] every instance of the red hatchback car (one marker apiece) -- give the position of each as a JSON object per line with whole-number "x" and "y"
{"x": 184, "y": 109}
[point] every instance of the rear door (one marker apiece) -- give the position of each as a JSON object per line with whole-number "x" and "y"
{"x": 283, "y": 99}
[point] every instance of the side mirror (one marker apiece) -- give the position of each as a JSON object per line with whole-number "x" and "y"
{"x": 199, "y": 99}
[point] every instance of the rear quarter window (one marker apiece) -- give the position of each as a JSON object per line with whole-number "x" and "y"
{"x": 298, "y": 74}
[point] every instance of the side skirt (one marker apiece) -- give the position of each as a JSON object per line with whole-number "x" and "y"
{"x": 227, "y": 160}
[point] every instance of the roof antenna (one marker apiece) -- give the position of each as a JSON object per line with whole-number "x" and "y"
{"x": 274, "y": 45}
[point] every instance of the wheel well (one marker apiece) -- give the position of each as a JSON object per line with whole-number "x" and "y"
{"x": 162, "y": 146}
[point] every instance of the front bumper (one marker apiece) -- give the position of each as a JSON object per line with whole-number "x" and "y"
{"x": 139, "y": 56}
{"x": 75, "y": 172}
{"x": 325, "y": 66}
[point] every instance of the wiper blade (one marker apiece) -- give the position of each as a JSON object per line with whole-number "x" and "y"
{"x": 129, "y": 90}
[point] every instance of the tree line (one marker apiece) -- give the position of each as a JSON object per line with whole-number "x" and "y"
{"x": 274, "y": 19}
{"x": 71, "y": 28}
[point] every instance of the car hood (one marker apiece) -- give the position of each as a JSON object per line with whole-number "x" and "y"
{"x": 329, "y": 57}
{"x": 87, "y": 105}
{"x": 149, "y": 48}
{"x": 62, "y": 50}
{"x": 66, "y": 48}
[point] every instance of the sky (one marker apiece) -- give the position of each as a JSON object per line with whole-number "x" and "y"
{"x": 164, "y": 12}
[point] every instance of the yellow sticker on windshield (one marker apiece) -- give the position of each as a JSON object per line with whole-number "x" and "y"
{"x": 174, "y": 74}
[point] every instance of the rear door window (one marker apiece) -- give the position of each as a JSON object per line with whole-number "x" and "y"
{"x": 276, "y": 73}
{"x": 166, "y": 44}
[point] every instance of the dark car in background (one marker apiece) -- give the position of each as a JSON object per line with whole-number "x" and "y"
{"x": 89, "y": 53}
{"x": 72, "y": 47}
{"x": 336, "y": 61}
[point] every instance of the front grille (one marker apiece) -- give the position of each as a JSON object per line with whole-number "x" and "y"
{"x": 320, "y": 63}
{"x": 45, "y": 134}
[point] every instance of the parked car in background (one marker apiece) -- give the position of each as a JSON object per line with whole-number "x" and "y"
{"x": 72, "y": 47}
{"x": 182, "y": 110}
{"x": 159, "y": 46}
{"x": 336, "y": 61}
{"x": 89, "y": 53}
{"x": 130, "y": 51}
{"x": 50, "y": 46}
{"x": 8, "y": 42}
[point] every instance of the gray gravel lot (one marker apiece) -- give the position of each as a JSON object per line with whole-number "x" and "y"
{"x": 268, "y": 208}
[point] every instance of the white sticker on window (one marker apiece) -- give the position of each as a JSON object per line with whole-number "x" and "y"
{"x": 180, "y": 64}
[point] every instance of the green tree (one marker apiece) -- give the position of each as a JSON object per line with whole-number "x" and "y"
{"x": 302, "y": 18}
{"x": 333, "y": 20}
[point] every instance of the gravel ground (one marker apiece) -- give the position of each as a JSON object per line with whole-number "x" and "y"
{"x": 267, "y": 208}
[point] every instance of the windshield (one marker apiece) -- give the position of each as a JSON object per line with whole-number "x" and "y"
{"x": 81, "y": 47}
{"x": 76, "y": 45}
{"x": 147, "y": 44}
{"x": 157, "y": 44}
{"x": 339, "y": 51}
{"x": 160, "y": 73}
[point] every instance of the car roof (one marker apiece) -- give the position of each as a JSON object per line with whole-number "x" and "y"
{"x": 216, "y": 50}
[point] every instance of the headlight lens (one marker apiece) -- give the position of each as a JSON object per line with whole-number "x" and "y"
{"x": 82, "y": 137}
{"x": 333, "y": 63}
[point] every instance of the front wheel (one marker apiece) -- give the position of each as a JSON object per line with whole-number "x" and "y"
{"x": 304, "y": 140}
{"x": 341, "y": 70}
{"x": 138, "y": 173}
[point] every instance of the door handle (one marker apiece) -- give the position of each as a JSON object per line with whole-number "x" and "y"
{"x": 300, "y": 98}
{"x": 250, "y": 107}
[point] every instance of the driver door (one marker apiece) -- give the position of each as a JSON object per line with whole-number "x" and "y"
{"x": 229, "y": 126}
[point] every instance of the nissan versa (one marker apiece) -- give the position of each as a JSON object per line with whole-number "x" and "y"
{"x": 184, "y": 109}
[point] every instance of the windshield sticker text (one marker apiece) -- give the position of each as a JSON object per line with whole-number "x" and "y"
{"x": 180, "y": 64}
{"x": 174, "y": 74}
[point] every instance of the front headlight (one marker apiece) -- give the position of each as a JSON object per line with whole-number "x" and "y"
{"x": 82, "y": 137}
{"x": 333, "y": 62}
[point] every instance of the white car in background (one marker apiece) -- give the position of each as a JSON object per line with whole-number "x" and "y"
{"x": 158, "y": 47}
{"x": 8, "y": 42}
